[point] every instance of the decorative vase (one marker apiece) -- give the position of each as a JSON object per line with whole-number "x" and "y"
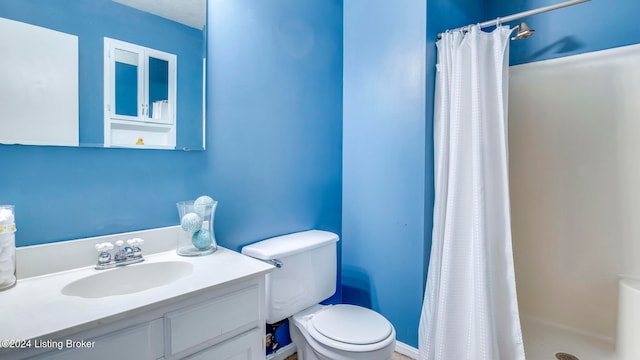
{"x": 197, "y": 237}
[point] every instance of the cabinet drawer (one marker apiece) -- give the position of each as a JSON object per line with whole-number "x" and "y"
{"x": 247, "y": 346}
{"x": 138, "y": 342}
{"x": 234, "y": 312}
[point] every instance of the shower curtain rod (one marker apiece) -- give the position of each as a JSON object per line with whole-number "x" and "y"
{"x": 521, "y": 15}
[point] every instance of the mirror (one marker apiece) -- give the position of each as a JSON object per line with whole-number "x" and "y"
{"x": 103, "y": 73}
{"x": 126, "y": 82}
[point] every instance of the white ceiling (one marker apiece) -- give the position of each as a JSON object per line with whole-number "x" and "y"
{"x": 189, "y": 12}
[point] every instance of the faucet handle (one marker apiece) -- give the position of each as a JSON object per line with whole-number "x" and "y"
{"x": 135, "y": 246}
{"x": 105, "y": 246}
{"x": 135, "y": 242}
{"x": 103, "y": 249}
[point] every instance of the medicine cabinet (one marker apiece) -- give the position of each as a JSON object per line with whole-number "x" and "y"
{"x": 140, "y": 96}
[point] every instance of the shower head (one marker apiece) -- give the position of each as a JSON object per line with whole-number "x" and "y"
{"x": 523, "y": 31}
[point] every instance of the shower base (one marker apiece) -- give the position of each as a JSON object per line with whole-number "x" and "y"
{"x": 542, "y": 341}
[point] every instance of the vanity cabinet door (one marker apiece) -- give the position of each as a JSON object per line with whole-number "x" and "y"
{"x": 141, "y": 342}
{"x": 212, "y": 321}
{"x": 244, "y": 347}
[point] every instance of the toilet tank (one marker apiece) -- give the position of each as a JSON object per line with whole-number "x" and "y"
{"x": 307, "y": 275}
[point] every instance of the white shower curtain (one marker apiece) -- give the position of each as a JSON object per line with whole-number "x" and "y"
{"x": 470, "y": 308}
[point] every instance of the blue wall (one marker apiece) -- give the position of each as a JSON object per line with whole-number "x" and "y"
{"x": 384, "y": 173}
{"x": 274, "y": 142}
{"x": 275, "y": 102}
{"x": 91, "y": 21}
{"x": 591, "y": 26}
{"x": 63, "y": 193}
{"x": 389, "y": 76}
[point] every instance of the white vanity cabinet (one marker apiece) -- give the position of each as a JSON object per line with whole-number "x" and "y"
{"x": 216, "y": 310}
{"x": 224, "y": 323}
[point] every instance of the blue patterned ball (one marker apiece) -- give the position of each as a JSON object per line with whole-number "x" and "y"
{"x": 203, "y": 205}
{"x": 201, "y": 239}
{"x": 191, "y": 222}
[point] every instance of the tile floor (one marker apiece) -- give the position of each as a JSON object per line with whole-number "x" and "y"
{"x": 396, "y": 356}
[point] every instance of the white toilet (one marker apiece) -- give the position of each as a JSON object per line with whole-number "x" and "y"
{"x": 306, "y": 275}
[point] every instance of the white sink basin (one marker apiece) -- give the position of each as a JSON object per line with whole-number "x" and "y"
{"x": 128, "y": 279}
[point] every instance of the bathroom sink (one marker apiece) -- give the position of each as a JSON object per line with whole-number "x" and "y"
{"x": 128, "y": 279}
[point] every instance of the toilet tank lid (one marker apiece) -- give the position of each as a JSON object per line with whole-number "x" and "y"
{"x": 286, "y": 245}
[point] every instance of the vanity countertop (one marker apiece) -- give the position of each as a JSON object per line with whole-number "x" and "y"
{"x": 37, "y": 308}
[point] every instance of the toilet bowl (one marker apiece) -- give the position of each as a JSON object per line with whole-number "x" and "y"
{"x": 342, "y": 332}
{"x": 305, "y": 276}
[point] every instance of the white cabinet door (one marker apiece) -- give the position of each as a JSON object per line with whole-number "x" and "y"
{"x": 247, "y": 346}
{"x": 218, "y": 318}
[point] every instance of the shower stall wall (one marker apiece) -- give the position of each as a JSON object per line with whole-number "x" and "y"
{"x": 574, "y": 177}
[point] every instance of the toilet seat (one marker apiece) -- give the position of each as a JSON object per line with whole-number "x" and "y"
{"x": 314, "y": 345}
{"x": 351, "y": 324}
{"x": 350, "y": 328}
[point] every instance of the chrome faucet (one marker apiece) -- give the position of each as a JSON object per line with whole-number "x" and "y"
{"x": 124, "y": 255}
